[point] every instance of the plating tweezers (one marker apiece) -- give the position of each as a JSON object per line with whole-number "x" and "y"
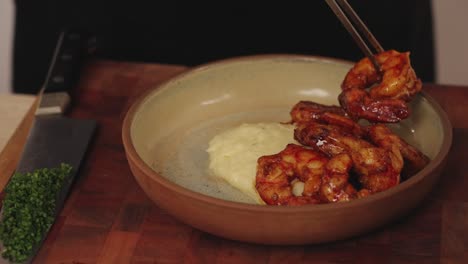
{"x": 351, "y": 21}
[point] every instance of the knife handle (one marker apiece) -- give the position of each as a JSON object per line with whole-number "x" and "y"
{"x": 63, "y": 73}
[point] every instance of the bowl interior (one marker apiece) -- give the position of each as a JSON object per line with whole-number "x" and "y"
{"x": 173, "y": 124}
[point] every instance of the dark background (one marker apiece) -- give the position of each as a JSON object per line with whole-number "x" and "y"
{"x": 195, "y": 32}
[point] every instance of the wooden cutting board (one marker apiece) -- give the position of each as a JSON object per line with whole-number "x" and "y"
{"x": 16, "y": 115}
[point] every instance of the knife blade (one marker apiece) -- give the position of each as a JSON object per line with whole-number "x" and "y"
{"x": 55, "y": 139}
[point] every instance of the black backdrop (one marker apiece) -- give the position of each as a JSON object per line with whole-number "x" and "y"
{"x": 196, "y": 32}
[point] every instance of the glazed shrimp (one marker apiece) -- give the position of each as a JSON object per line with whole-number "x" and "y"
{"x": 386, "y": 101}
{"x": 415, "y": 160}
{"x": 359, "y": 105}
{"x": 335, "y": 185}
{"x": 276, "y": 172}
{"x": 307, "y": 111}
{"x": 398, "y": 79}
{"x": 378, "y": 169}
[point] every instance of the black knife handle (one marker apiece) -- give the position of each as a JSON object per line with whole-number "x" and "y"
{"x": 66, "y": 63}
{"x": 63, "y": 73}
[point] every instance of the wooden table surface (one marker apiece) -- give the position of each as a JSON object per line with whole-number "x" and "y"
{"x": 108, "y": 219}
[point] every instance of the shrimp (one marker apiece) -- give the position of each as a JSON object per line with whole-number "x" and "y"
{"x": 415, "y": 160}
{"x": 329, "y": 139}
{"x": 307, "y": 111}
{"x": 335, "y": 185}
{"x": 276, "y": 172}
{"x": 378, "y": 168}
{"x": 359, "y": 105}
{"x": 398, "y": 81}
{"x": 386, "y": 101}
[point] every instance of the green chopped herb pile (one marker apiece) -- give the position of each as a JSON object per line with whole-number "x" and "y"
{"x": 29, "y": 210}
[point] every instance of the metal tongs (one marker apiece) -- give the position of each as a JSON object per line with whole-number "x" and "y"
{"x": 355, "y": 27}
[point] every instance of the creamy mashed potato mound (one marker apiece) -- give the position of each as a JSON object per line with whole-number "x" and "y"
{"x": 233, "y": 154}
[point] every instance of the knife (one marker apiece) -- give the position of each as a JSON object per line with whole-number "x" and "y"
{"x": 54, "y": 138}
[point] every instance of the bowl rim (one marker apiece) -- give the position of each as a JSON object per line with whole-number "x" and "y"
{"x": 133, "y": 156}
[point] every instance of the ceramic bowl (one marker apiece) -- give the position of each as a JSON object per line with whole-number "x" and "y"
{"x": 167, "y": 130}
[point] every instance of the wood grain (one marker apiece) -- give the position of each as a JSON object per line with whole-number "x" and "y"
{"x": 11, "y": 152}
{"x": 108, "y": 219}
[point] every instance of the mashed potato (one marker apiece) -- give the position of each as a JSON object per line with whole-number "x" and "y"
{"x": 233, "y": 154}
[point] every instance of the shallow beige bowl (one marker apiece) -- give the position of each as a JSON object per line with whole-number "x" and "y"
{"x": 166, "y": 134}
